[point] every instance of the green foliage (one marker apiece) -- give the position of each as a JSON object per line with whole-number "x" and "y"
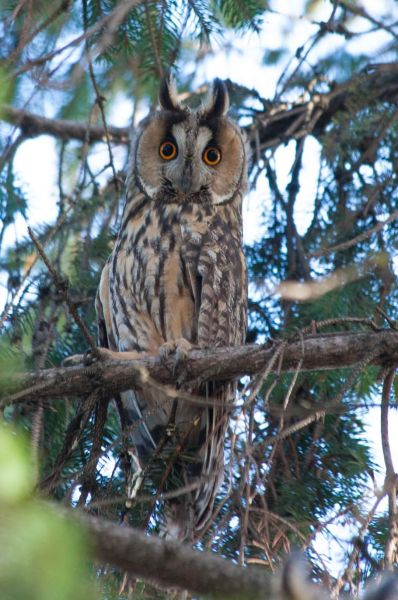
{"x": 279, "y": 492}
{"x": 273, "y": 57}
{"x": 77, "y": 101}
{"x": 11, "y": 362}
{"x": 43, "y": 555}
{"x": 6, "y": 89}
{"x": 16, "y": 476}
{"x": 241, "y": 14}
{"x": 13, "y": 201}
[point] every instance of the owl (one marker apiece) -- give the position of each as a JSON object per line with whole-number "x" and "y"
{"x": 176, "y": 279}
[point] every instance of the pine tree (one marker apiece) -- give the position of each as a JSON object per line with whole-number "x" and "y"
{"x": 299, "y": 465}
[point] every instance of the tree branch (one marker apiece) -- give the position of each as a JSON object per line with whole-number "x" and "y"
{"x": 172, "y": 564}
{"x": 33, "y": 125}
{"x": 391, "y": 480}
{"x": 281, "y": 121}
{"x": 317, "y": 352}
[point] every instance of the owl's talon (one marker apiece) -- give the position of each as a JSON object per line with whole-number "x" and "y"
{"x": 76, "y": 360}
{"x": 181, "y": 348}
{"x": 73, "y": 361}
{"x": 90, "y": 356}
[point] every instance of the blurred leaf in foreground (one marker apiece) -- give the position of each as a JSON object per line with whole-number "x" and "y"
{"x": 43, "y": 556}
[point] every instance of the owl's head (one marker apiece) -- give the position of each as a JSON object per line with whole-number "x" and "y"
{"x": 182, "y": 155}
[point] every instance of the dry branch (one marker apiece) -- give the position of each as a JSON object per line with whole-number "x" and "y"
{"x": 313, "y": 352}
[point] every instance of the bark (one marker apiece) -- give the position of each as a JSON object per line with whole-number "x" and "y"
{"x": 172, "y": 564}
{"x": 281, "y": 122}
{"x": 33, "y": 125}
{"x": 315, "y": 352}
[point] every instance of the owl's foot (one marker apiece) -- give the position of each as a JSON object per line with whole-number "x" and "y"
{"x": 180, "y": 348}
{"x": 106, "y": 354}
{"x": 101, "y": 354}
{"x": 76, "y": 360}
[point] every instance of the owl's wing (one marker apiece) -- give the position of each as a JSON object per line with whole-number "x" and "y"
{"x": 102, "y": 335}
{"x": 102, "y": 308}
{"x": 217, "y": 272}
{"x": 220, "y": 291}
{"x": 131, "y": 414}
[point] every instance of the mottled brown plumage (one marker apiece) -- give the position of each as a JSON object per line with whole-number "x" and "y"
{"x": 177, "y": 274}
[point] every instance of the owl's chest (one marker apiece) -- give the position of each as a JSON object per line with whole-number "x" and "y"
{"x": 157, "y": 249}
{"x": 152, "y": 273}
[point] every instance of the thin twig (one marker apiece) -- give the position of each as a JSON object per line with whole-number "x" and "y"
{"x": 60, "y": 221}
{"x": 100, "y": 103}
{"x": 26, "y": 39}
{"x": 72, "y": 436}
{"x": 353, "y": 241}
{"x": 108, "y": 24}
{"x": 347, "y": 574}
{"x": 358, "y": 10}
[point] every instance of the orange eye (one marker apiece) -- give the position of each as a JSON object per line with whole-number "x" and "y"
{"x": 212, "y": 156}
{"x": 168, "y": 150}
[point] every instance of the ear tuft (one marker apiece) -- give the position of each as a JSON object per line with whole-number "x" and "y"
{"x": 217, "y": 102}
{"x": 168, "y": 98}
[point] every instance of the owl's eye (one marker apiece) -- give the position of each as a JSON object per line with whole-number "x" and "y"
{"x": 168, "y": 150}
{"x": 212, "y": 156}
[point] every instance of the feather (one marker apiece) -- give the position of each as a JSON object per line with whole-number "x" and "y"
{"x": 177, "y": 276}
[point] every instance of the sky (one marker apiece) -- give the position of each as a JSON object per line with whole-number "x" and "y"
{"x": 37, "y": 170}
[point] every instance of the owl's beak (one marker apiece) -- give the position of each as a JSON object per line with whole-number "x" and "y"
{"x": 185, "y": 182}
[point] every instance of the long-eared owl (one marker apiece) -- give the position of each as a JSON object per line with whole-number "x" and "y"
{"x": 175, "y": 279}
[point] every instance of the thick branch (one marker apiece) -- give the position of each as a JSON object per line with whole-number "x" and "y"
{"x": 171, "y": 564}
{"x": 280, "y": 122}
{"x": 377, "y": 83}
{"x": 317, "y": 352}
{"x": 33, "y": 125}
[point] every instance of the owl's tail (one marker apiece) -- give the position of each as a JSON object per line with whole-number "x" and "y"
{"x": 178, "y": 520}
{"x": 187, "y": 516}
{"x": 185, "y": 456}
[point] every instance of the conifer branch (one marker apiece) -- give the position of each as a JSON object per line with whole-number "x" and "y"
{"x": 391, "y": 478}
{"x": 62, "y": 286}
{"x": 279, "y": 122}
{"x": 317, "y": 352}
